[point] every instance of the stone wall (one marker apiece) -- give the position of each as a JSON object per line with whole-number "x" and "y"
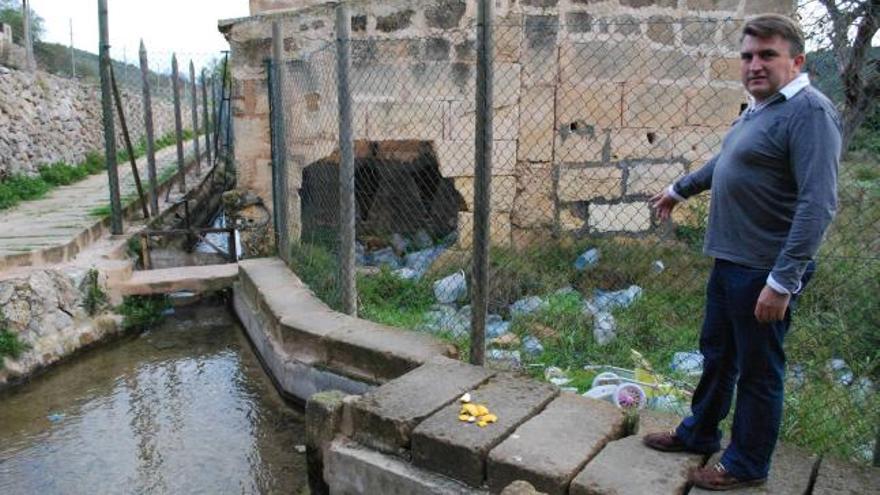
{"x": 43, "y": 308}
{"x": 597, "y": 104}
{"x": 11, "y": 55}
{"x": 45, "y": 119}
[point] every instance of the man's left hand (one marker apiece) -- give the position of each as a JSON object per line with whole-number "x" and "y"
{"x": 771, "y": 305}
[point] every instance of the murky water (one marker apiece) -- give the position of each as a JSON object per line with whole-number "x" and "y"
{"x": 185, "y": 408}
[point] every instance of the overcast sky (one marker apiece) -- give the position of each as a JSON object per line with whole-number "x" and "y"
{"x": 188, "y": 27}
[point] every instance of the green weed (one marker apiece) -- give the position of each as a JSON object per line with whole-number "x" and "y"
{"x": 389, "y": 299}
{"x": 62, "y": 174}
{"x": 142, "y": 312}
{"x": 94, "y": 298}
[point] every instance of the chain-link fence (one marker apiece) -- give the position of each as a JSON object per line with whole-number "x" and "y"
{"x": 591, "y": 118}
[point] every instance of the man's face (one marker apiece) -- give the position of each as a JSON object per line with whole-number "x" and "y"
{"x": 767, "y": 65}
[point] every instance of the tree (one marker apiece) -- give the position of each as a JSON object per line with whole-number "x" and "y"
{"x": 846, "y": 28}
{"x": 10, "y": 13}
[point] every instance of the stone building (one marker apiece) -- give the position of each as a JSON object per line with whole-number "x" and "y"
{"x": 11, "y": 55}
{"x": 598, "y": 103}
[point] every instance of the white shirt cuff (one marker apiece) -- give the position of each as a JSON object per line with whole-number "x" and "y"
{"x": 678, "y": 197}
{"x": 776, "y": 286}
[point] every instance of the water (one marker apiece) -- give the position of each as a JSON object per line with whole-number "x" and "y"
{"x": 185, "y": 408}
{"x": 218, "y": 239}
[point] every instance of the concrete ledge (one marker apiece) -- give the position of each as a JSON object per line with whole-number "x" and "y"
{"x": 206, "y": 278}
{"x": 791, "y": 470}
{"x": 837, "y": 478}
{"x": 310, "y": 347}
{"x": 352, "y": 469}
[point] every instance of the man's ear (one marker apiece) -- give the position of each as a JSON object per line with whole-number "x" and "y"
{"x": 799, "y": 61}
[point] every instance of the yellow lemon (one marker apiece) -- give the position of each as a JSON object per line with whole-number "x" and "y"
{"x": 489, "y": 418}
{"x": 464, "y": 417}
{"x": 481, "y": 410}
{"x": 482, "y": 424}
{"x": 470, "y": 409}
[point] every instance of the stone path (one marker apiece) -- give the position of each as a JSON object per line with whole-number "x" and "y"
{"x": 65, "y": 215}
{"x": 405, "y": 436}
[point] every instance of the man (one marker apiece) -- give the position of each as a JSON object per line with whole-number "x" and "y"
{"x": 773, "y": 195}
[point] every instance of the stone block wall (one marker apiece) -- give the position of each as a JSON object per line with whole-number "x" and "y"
{"x": 45, "y": 119}
{"x": 598, "y": 105}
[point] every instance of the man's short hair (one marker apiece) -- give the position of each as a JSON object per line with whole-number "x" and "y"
{"x": 769, "y": 25}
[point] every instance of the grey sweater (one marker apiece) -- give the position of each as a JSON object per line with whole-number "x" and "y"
{"x": 774, "y": 186}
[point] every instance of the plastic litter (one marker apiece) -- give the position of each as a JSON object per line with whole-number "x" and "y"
{"x": 657, "y": 266}
{"x": 55, "y": 417}
{"x": 399, "y": 243}
{"x": 496, "y": 327}
{"x": 588, "y": 258}
{"x": 385, "y": 257}
{"x": 532, "y": 346}
{"x": 606, "y": 378}
{"x": 512, "y": 359}
{"x": 604, "y": 328}
{"x": 300, "y": 449}
{"x": 452, "y": 288}
{"x": 630, "y": 395}
{"x": 527, "y": 305}
{"x": 406, "y": 273}
{"x": 840, "y": 371}
{"x": 606, "y": 301}
{"x": 421, "y": 261}
{"x": 422, "y": 239}
{"x": 689, "y": 363}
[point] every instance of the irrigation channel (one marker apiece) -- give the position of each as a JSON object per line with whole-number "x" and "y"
{"x": 182, "y": 408}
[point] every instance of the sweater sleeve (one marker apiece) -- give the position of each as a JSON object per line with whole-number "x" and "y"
{"x": 815, "y": 145}
{"x": 697, "y": 181}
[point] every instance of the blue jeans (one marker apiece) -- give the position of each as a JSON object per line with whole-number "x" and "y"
{"x": 738, "y": 350}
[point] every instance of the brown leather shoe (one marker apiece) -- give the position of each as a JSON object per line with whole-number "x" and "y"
{"x": 716, "y": 478}
{"x": 664, "y": 441}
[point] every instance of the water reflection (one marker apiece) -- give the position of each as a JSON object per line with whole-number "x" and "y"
{"x": 185, "y": 408}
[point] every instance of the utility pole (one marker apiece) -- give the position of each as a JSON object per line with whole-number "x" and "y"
{"x": 26, "y": 30}
{"x": 72, "y": 53}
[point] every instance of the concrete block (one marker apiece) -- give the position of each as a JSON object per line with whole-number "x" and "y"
{"x": 450, "y": 447}
{"x": 456, "y": 158}
{"x": 353, "y": 470}
{"x": 569, "y": 220}
{"x": 462, "y": 122}
{"x": 597, "y": 105}
{"x": 396, "y": 120}
{"x": 323, "y": 422}
{"x": 654, "y": 422}
{"x": 508, "y": 42}
{"x": 586, "y": 145}
{"x": 661, "y": 29}
{"x": 697, "y": 144}
{"x": 644, "y": 143}
{"x": 627, "y": 466}
{"x": 539, "y": 53}
{"x": 790, "y": 472}
{"x": 549, "y": 449}
{"x": 714, "y": 107}
{"x": 622, "y": 217}
{"x": 649, "y": 179}
{"x": 499, "y": 230}
{"x": 579, "y": 183}
{"x": 534, "y": 204}
{"x": 725, "y": 69}
{"x": 385, "y": 417}
{"x": 714, "y": 5}
{"x": 536, "y": 121}
{"x": 755, "y": 7}
{"x": 653, "y": 105}
{"x": 503, "y": 191}
{"x": 698, "y": 31}
{"x": 618, "y": 61}
{"x": 837, "y": 478}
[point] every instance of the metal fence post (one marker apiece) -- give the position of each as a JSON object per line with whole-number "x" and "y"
{"x": 346, "y": 163}
{"x": 148, "y": 129}
{"x": 195, "y": 115}
{"x": 27, "y": 35}
{"x": 107, "y": 113}
{"x": 482, "y": 181}
{"x": 281, "y": 145}
{"x": 206, "y": 122}
{"x": 178, "y": 125}
{"x": 273, "y": 152}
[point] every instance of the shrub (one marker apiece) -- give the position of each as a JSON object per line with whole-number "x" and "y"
{"x": 142, "y": 312}
{"x": 62, "y": 174}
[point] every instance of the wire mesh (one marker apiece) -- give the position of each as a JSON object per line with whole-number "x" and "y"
{"x": 592, "y": 117}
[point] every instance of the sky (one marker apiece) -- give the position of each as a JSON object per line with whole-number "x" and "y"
{"x": 187, "y": 27}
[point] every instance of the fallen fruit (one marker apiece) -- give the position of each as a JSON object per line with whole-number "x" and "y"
{"x": 465, "y": 398}
{"x": 482, "y": 410}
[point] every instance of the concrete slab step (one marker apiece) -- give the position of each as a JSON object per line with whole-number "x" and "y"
{"x": 790, "y": 472}
{"x": 385, "y": 417}
{"x": 627, "y": 466}
{"x": 459, "y": 450}
{"x": 837, "y": 478}
{"x": 354, "y": 470}
{"x": 195, "y": 278}
{"x": 552, "y": 447}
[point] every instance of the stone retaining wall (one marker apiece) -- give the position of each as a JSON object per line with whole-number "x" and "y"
{"x": 598, "y": 104}
{"x": 45, "y": 119}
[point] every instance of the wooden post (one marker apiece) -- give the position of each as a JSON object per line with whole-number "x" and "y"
{"x": 178, "y": 125}
{"x": 148, "y": 127}
{"x": 27, "y": 35}
{"x": 482, "y": 182}
{"x": 206, "y": 122}
{"x": 107, "y": 115}
{"x": 128, "y": 146}
{"x": 195, "y": 116}
{"x": 346, "y": 164}
{"x": 72, "y": 53}
{"x": 145, "y": 252}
